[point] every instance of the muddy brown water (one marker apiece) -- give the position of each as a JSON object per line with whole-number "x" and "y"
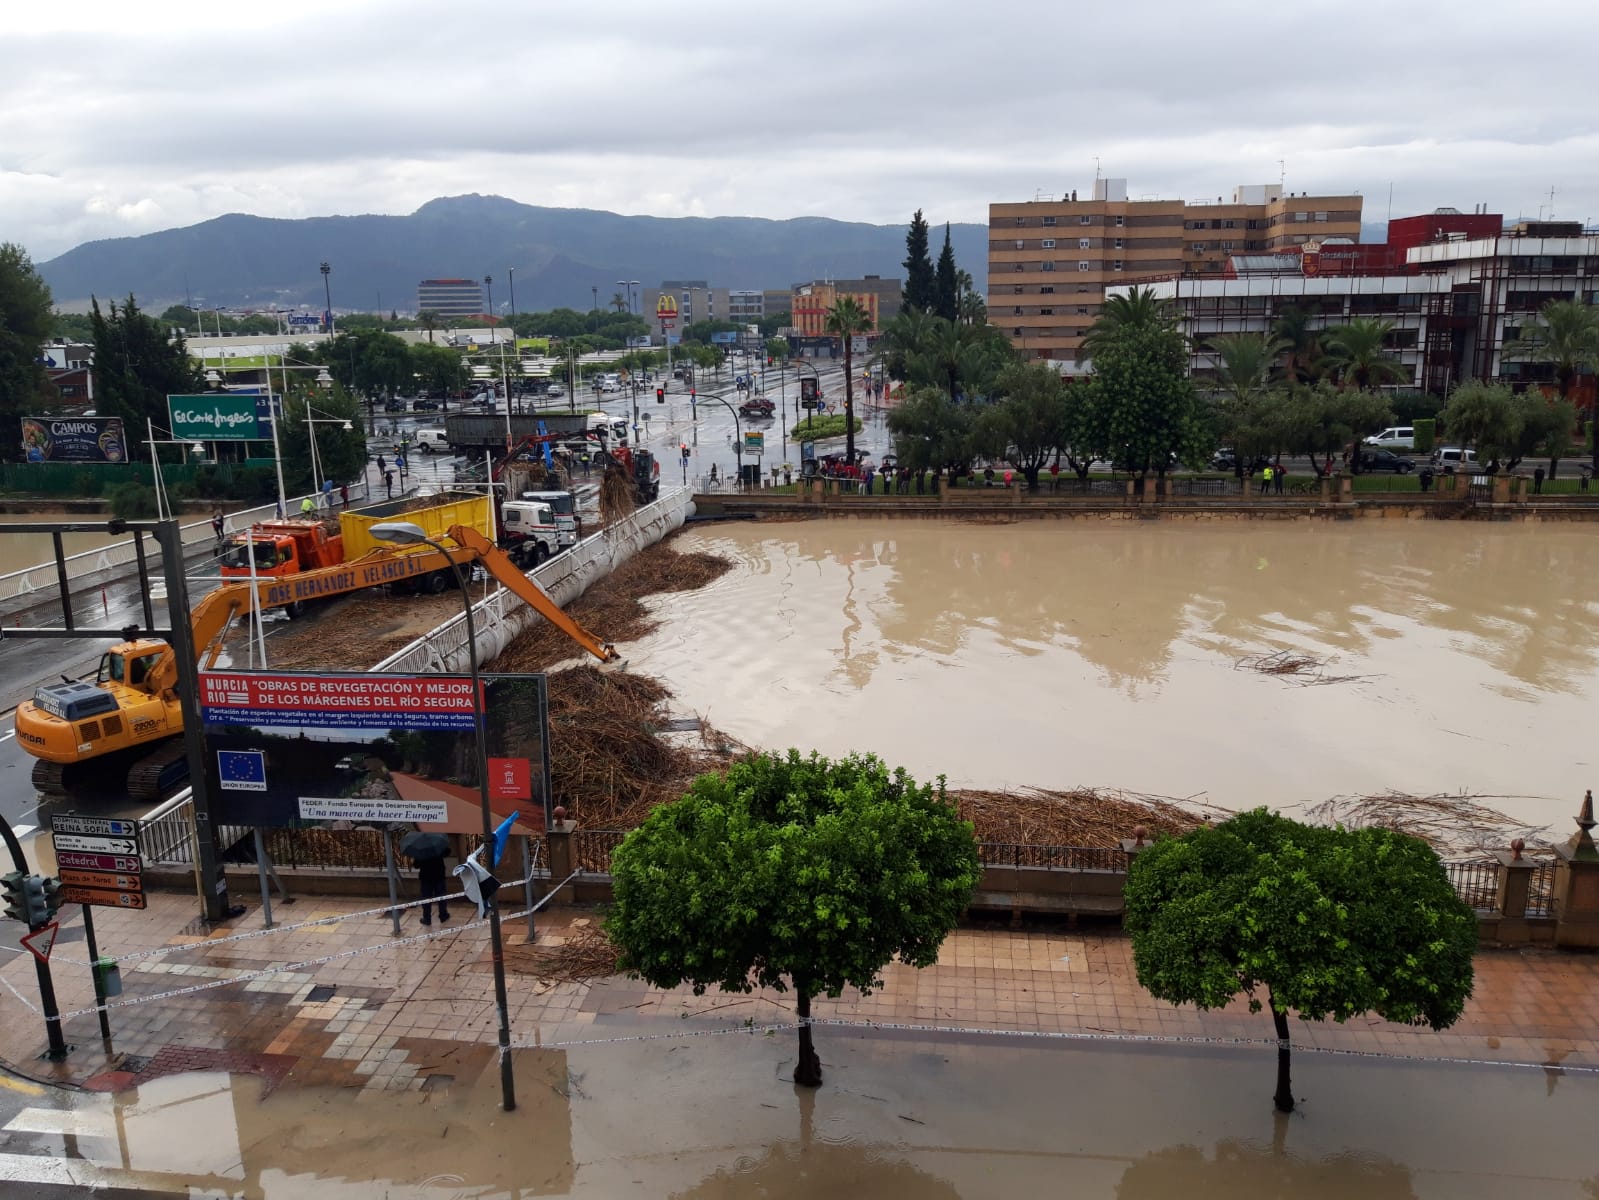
{"x": 718, "y": 1119}
{"x": 1063, "y": 655}
{"x": 19, "y": 551}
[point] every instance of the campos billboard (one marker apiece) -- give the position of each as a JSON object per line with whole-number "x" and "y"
{"x": 74, "y": 439}
{"x": 216, "y": 417}
{"x": 292, "y": 748}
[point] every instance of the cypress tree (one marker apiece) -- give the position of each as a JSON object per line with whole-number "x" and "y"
{"x": 920, "y": 287}
{"x": 947, "y": 295}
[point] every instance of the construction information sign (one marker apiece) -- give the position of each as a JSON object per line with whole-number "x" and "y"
{"x": 264, "y": 698}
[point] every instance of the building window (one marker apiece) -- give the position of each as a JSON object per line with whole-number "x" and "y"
{"x": 1048, "y": 243}
{"x": 1082, "y": 310}
{"x": 1084, "y": 243}
{"x": 1046, "y": 312}
{"x": 1049, "y": 266}
{"x": 1301, "y": 216}
{"x": 1020, "y": 244}
{"x": 1018, "y": 289}
{"x": 1199, "y": 247}
{"x": 1020, "y": 332}
{"x": 1049, "y": 220}
{"x": 1118, "y": 243}
{"x": 1085, "y": 219}
{"x": 1016, "y": 311}
{"x": 1120, "y": 221}
{"x": 1118, "y": 265}
{"x": 1321, "y": 216}
{"x": 1082, "y": 266}
{"x": 1019, "y": 267}
{"x": 1020, "y": 221}
{"x": 1226, "y": 245}
{"x": 1228, "y": 224}
{"x": 1199, "y": 225}
{"x": 1048, "y": 289}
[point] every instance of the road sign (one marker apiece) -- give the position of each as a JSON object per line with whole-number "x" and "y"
{"x": 810, "y": 403}
{"x": 102, "y": 897}
{"x": 96, "y": 845}
{"x": 94, "y": 826}
{"x": 98, "y": 862}
{"x": 42, "y": 940}
{"x": 754, "y": 442}
{"x": 108, "y": 880}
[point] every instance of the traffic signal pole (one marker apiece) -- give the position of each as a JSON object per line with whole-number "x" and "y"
{"x": 47, "y": 989}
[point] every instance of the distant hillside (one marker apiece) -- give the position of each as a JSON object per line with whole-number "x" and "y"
{"x": 560, "y": 254}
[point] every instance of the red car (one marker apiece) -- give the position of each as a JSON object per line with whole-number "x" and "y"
{"x": 757, "y": 408}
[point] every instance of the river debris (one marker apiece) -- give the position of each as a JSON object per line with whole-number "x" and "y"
{"x": 1292, "y": 666}
{"x": 582, "y": 954}
{"x": 1455, "y": 825}
{"x": 1079, "y": 817}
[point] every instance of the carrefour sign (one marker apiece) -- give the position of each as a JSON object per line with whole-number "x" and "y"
{"x": 214, "y": 417}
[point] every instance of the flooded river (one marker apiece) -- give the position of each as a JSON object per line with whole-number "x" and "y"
{"x": 1456, "y": 655}
{"x": 18, "y": 551}
{"x": 717, "y": 1119}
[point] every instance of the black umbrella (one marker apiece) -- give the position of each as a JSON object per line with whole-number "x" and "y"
{"x": 422, "y": 846}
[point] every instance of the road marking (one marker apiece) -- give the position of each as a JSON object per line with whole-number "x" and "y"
{"x": 62, "y": 1172}
{"x": 12, "y": 1084}
{"x": 23, "y": 831}
{"x": 64, "y": 1122}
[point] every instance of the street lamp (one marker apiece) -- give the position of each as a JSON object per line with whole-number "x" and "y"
{"x": 324, "y": 380}
{"x": 327, "y": 294}
{"x": 404, "y": 533}
{"x": 516, "y": 352}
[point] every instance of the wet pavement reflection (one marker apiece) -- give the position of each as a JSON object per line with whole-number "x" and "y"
{"x": 1106, "y": 654}
{"x": 719, "y": 1118}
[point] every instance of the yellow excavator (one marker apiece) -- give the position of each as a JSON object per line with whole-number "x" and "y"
{"x": 131, "y": 710}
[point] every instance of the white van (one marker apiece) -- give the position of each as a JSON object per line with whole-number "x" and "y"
{"x": 1395, "y": 437}
{"x": 1449, "y": 459}
{"x": 429, "y": 440}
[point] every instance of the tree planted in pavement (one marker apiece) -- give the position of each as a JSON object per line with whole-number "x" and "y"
{"x": 1325, "y": 922}
{"x": 792, "y": 872}
{"x": 846, "y": 320}
{"x": 1149, "y": 414}
{"x": 1565, "y": 335}
{"x": 1027, "y": 422}
{"x": 1248, "y": 404}
{"x": 930, "y": 430}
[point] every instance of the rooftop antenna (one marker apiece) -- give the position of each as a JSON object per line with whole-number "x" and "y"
{"x": 1551, "y": 202}
{"x": 1096, "y": 168}
{"x": 1282, "y": 173}
{"x": 1390, "y": 215}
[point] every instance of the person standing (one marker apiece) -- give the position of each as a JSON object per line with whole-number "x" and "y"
{"x": 327, "y": 494}
{"x": 382, "y": 465}
{"x": 1277, "y": 474}
{"x": 430, "y": 875}
{"x": 344, "y": 494}
{"x": 1537, "y": 482}
{"x": 218, "y": 525}
{"x": 1265, "y": 479}
{"x": 388, "y": 483}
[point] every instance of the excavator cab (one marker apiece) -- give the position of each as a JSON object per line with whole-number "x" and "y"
{"x": 130, "y": 664}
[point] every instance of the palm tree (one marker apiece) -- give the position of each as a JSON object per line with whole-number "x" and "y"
{"x": 618, "y": 302}
{"x": 1301, "y": 342}
{"x": 845, "y": 320}
{"x": 1356, "y": 352}
{"x": 1249, "y": 365}
{"x": 1565, "y": 334}
{"x": 429, "y": 320}
{"x": 1137, "y": 309}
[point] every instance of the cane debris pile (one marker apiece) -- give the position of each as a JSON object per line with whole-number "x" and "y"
{"x": 1304, "y": 670}
{"x": 1079, "y": 817}
{"x": 584, "y": 953}
{"x": 1455, "y": 825}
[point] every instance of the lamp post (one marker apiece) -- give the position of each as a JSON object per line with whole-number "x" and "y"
{"x": 404, "y": 533}
{"x": 327, "y": 294}
{"x": 738, "y": 436}
{"x": 311, "y": 424}
{"x": 516, "y": 352}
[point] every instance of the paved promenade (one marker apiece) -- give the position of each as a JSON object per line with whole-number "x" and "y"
{"x": 347, "y": 1003}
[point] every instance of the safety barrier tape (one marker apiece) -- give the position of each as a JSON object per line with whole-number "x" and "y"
{"x": 267, "y": 972}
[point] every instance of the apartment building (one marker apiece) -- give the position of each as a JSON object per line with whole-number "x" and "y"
{"x": 1051, "y": 260}
{"x": 809, "y": 302}
{"x": 450, "y": 297}
{"x": 1454, "y": 288}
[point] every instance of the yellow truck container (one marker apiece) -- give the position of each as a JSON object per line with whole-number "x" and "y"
{"x": 435, "y": 514}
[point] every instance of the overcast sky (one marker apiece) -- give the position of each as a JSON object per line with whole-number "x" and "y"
{"x": 122, "y": 118}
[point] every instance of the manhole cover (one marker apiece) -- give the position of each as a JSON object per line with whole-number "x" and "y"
{"x": 437, "y": 1083}
{"x": 134, "y": 1063}
{"x": 321, "y": 992}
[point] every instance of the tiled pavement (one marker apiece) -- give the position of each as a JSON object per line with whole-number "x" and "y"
{"x": 395, "y": 1013}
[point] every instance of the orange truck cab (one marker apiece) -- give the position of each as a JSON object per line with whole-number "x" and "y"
{"x": 282, "y": 548}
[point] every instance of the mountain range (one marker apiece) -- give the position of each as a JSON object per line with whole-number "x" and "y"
{"x": 560, "y": 256}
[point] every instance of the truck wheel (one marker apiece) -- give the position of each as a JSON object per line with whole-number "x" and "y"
{"x": 540, "y": 554}
{"x": 295, "y": 611}
{"x": 437, "y": 582}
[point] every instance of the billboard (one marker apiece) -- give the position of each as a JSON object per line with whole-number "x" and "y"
{"x": 290, "y": 748}
{"x": 666, "y": 310}
{"x": 729, "y": 338}
{"x": 754, "y": 442}
{"x": 74, "y": 439}
{"x": 215, "y": 417}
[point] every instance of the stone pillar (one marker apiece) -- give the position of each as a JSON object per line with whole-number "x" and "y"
{"x": 1577, "y": 885}
{"x": 1515, "y": 881}
{"x": 1501, "y": 489}
{"x": 563, "y": 857}
{"x": 1326, "y": 490}
{"x": 1130, "y": 496}
{"x": 1523, "y": 487}
{"x": 943, "y": 489}
{"x": 1346, "y": 490}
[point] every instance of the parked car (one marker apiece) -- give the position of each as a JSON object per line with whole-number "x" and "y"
{"x": 424, "y": 405}
{"x": 429, "y": 440}
{"x": 1449, "y": 458}
{"x": 1395, "y": 437}
{"x": 1227, "y": 460}
{"x": 1373, "y": 459}
{"x": 394, "y": 406}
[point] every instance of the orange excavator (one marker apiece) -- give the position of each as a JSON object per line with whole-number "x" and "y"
{"x": 131, "y": 714}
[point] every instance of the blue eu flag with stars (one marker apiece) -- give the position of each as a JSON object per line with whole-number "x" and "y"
{"x": 242, "y": 770}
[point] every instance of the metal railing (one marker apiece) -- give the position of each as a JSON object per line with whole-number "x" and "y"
{"x": 592, "y": 849}
{"x": 166, "y": 833}
{"x": 1077, "y": 858}
{"x": 42, "y": 576}
{"x": 1541, "y": 890}
{"x": 1476, "y": 882}
{"x": 325, "y": 849}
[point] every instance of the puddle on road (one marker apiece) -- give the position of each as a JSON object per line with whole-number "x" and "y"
{"x": 716, "y": 1118}
{"x": 1087, "y": 654}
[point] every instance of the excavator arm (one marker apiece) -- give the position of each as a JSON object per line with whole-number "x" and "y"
{"x": 498, "y": 564}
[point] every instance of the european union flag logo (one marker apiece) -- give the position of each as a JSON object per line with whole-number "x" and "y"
{"x": 242, "y": 770}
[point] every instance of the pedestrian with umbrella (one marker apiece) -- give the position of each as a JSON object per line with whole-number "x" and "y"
{"x": 428, "y": 851}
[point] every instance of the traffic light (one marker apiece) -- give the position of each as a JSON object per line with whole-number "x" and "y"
{"x": 16, "y": 904}
{"x": 52, "y": 894}
{"x": 36, "y": 905}
{"x": 660, "y": 395}
{"x": 683, "y": 447}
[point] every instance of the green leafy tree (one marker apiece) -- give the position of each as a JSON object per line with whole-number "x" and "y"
{"x": 137, "y": 365}
{"x": 1136, "y": 309}
{"x": 931, "y": 431}
{"x": 1485, "y": 417}
{"x": 429, "y": 320}
{"x": 72, "y": 327}
{"x": 341, "y": 453}
{"x": 1357, "y": 355}
{"x": 792, "y": 872}
{"x": 777, "y": 349}
{"x": 701, "y": 331}
{"x": 921, "y": 286}
{"x": 946, "y": 282}
{"x": 1248, "y": 405}
{"x": 1327, "y": 922}
{"x": 1323, "y": 421}
{"x": 1550, "y": 423}
{"x": 1298, "y": 331}
{"x": 25, "y": 324}
{"x": 770, "y": 325}
{"x": 1565, "y": 335}
{"x": 846, "y": 320}
{"x": 438, "y": 368}
{"x": 1027, "y": 423}
{"x": 1148, "y": 408}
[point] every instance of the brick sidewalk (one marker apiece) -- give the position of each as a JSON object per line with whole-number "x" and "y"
{"x": 403, "y": 1011}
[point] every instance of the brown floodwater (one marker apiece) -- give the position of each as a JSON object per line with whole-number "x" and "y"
{"x": 718, "y": 1119}
{"x": 19, "y": 551}
{"x": 1466, "y": 655}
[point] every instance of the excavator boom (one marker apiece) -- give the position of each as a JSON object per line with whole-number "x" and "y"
{"x": 498, "y": 564}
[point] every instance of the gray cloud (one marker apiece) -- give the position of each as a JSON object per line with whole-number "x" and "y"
{"x": 122, "y": 119}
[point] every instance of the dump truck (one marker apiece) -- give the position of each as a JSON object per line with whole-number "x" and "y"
{"x": 129, "y": 719}
{"x": 473, "y": 433}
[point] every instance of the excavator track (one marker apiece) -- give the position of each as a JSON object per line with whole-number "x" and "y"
{"x": 149, "y": 778}
{"x": 50, "y": 778}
